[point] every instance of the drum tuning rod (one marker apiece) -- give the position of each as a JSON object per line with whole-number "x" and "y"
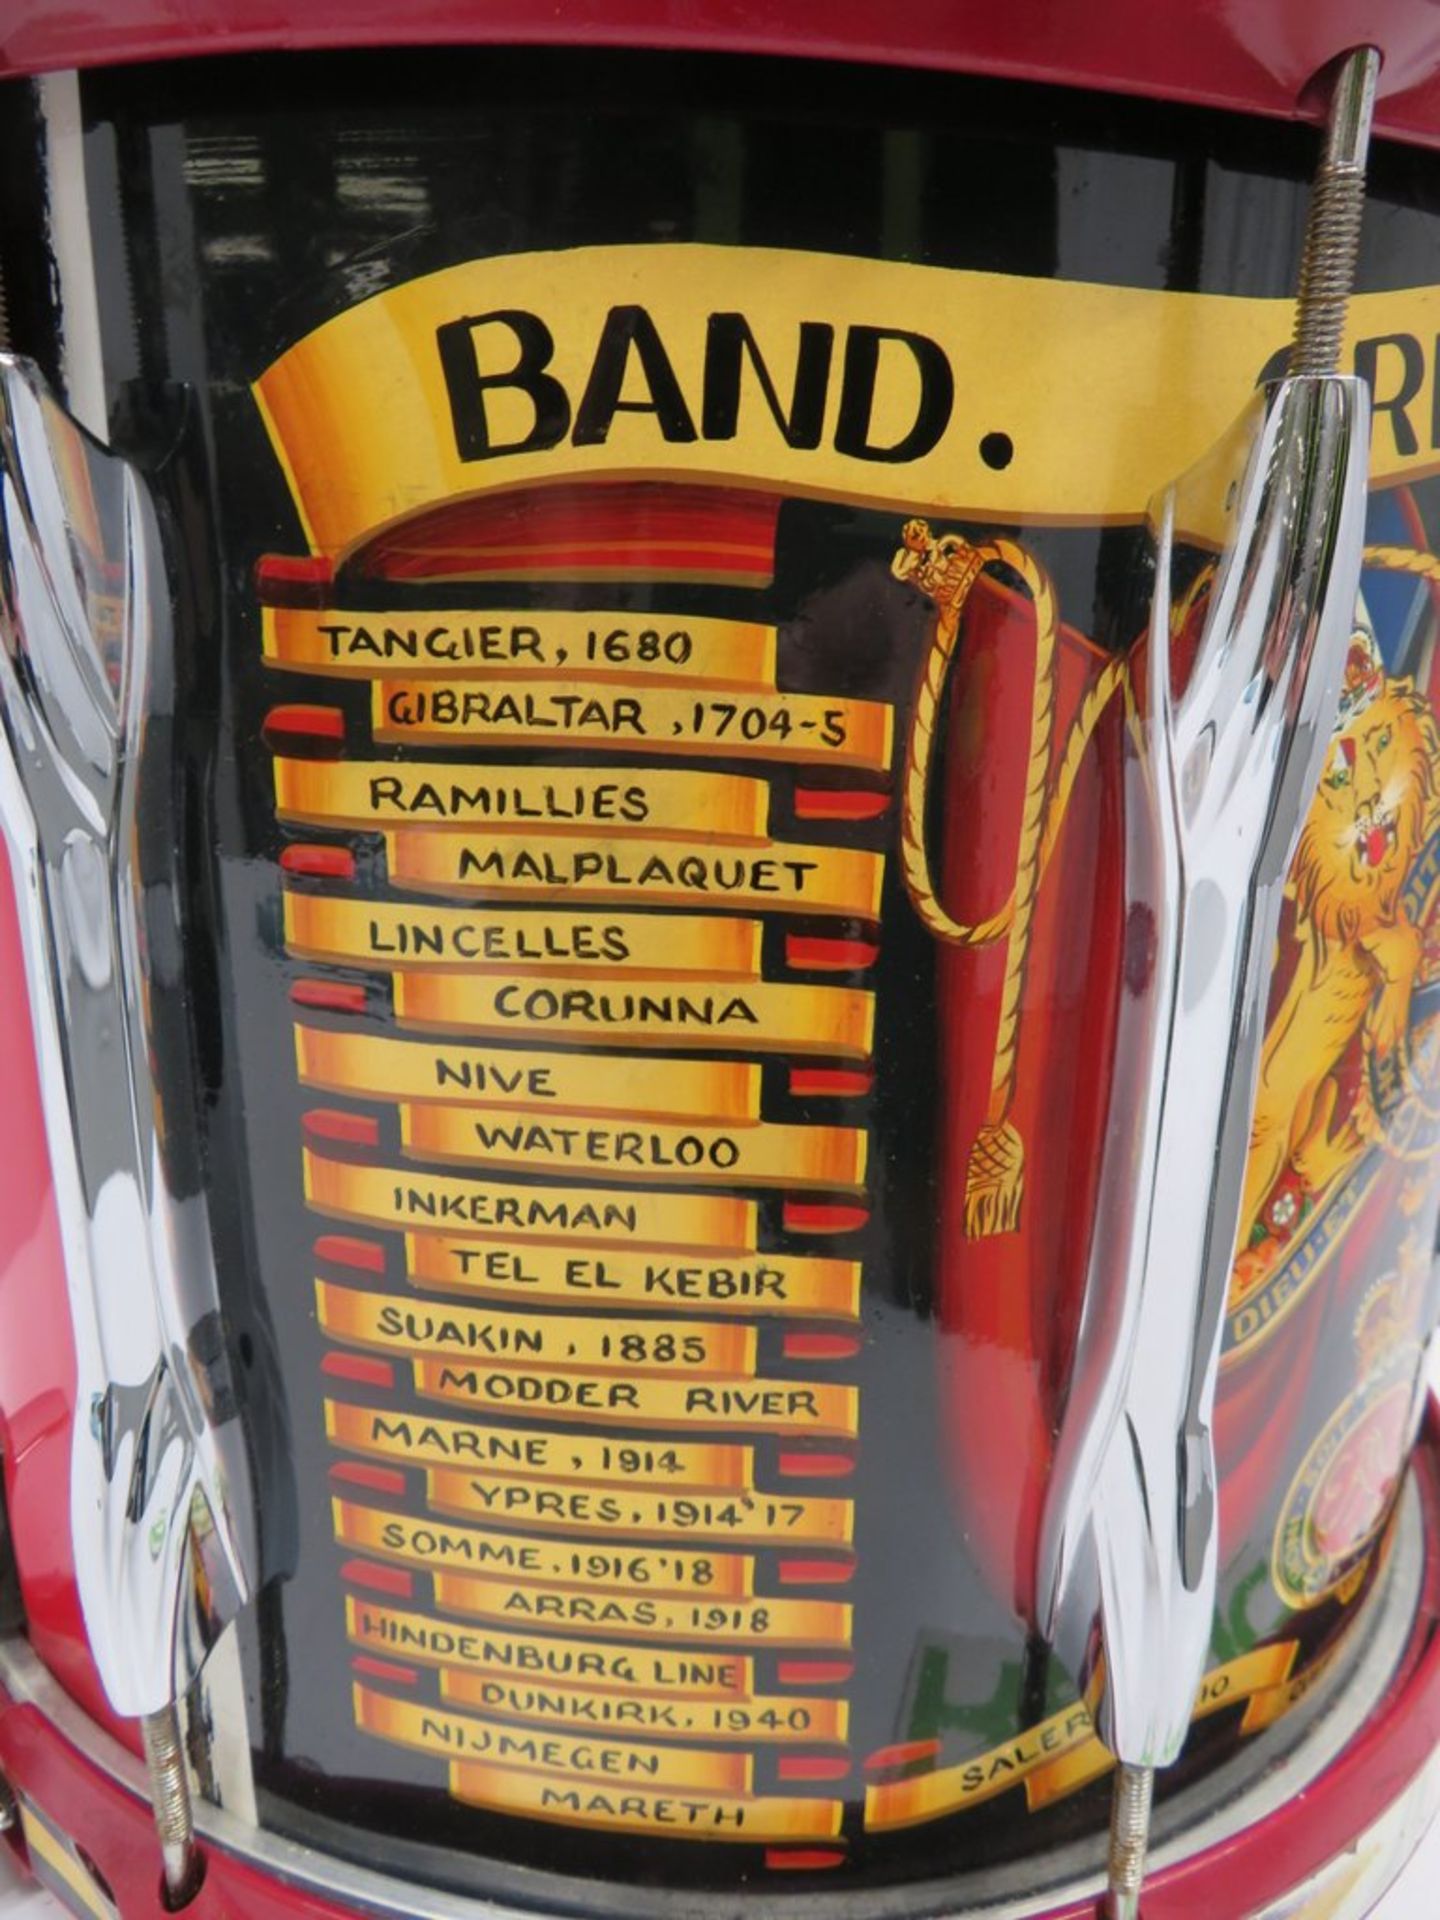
{"x": 1332, "y": 229}
{"x": 170, "y": 1798}
{"x": 166, "y": 1535}
{"x": 1129, "y": 1838}
{"x": 1221, "y": 767}
{"x": 1166, "y": 1627}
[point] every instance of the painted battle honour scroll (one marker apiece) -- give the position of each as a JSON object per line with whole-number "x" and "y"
{"x": 692, "y": 785}
{"x": 594, "y": 1293}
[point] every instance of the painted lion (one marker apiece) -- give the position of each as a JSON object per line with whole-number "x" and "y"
{"x": 1358, "y": 956}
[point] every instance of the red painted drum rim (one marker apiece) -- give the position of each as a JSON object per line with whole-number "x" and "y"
{"x": 66, "y": 1767}
{"x": 1247, "y": 59}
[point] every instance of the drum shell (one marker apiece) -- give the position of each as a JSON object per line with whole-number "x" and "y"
{"x": 941, "y": 1309}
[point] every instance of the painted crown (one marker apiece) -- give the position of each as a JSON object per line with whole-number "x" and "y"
{"x": 1364, "y": 675}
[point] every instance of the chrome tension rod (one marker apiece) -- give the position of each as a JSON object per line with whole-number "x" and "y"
{"x": 1219, "y": 777}
{"x": 1327, "y": 279}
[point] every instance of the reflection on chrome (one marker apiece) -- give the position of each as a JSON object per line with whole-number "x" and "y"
{"x": 162, "y": 1511}
{"x": 1219, "y": 776}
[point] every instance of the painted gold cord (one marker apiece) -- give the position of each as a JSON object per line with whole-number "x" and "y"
{"x": 948, "y": 569}
{"x": 948, "y": 572}
{"x": 983, "y": 1163}
{"x": 1404, "y": 560}
{"x": 1111, "y": 679}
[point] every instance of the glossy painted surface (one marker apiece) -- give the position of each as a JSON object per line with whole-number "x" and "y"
{"x": 1220, "y": 777}
{"x": 1354, "y": 1824}
{"x": 37, "y": 1361}
{"x": 159, "y": 1475}
{"x": 341, "y": 257}
{"x": 1225, "y": 53}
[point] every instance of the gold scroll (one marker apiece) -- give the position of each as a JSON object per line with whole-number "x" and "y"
{"x": 777, "y": 876}
{"x": 730, "y": 1015}
{"x": 803, "y": 729}
{"x": 750, "y": 1518}
{"x": 53, "y": 1860}
{"x": 533, "y": 1340}
{"x": 766, "y": 1155}
{"x": 789, "y": 1284}
{"x": 380, "y": 933}
{"x": 404, "y": 1635}
{"x": 1057, "y": 355}
{"x": 1270, "y": 1704}
{"x": 489, "y": 644}
{"x": 529, "y": 800}
{"x": 816, "y": 1409}
{"x": 762, "y": 1717}
{"x": 510, "y": 1748}
{"x": 398, "y": 1197}
{"x": 415, "y": 1439}
{"x": 628, "y": 1809}
{"x": 1058, "y": 1756}
{"x": 381, "y": 1068}
{"x": 445, "y": 1546}
{"x": 763, "y": 1621}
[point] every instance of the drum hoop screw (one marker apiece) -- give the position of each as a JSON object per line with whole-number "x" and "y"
{"x": 1129, "y": 1839}
{"x": 1327, "y": 278}
{"x": 170, "y": 1800}
{"x": 1332, "y": 228}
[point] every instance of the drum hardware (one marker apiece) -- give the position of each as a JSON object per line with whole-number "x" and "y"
{"x": 165, "y": 1551}
{"x": 1213, "y": 1812}
{"x": 1219, "y": 779}
{"x": 170, "y": 1793}
{"x": 1122, "y": 1597}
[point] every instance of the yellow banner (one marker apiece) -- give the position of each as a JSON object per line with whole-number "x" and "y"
{"x": 1249, "y": 1674}
{"x": 379, "y": 933}
{"x": 818, "y": 1410}
{"x": 413, "y": 1439}
{"x": 489, "y": 644}
{"x": 528, "y": 800}
{"x": 433, "y": 1730}
{"x": 1057, "y": 1757}
{"x": 398, "y": 1197}
{"x": 510, "y": 1077}
{"x": 779, "y": 1718}
{"x": 802, "y": 729}
{"x": 1272, "y": 1703}
{"x": 771, "y": 1623}
{"x": 838, "y": 1021}
{"x": 785, "y": 877}
{"x": 538, "y": 1658}
{"x": 767, "y": 1155}
{"x": 56, "y": 1867}
{"x": 626, "y": 1809}
{"x": 440, "y": 1546}
{"x": 1225, "y": 1686}
{"x": 1109, "y": 391}
{"x": 764, "y": 1519}
{"x": 791, "y": 1284}
{"x": 1059, "y": 1778}
{"x": 534, "y": 1340}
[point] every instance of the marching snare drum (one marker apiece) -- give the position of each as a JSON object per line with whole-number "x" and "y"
{"x": 723, "y": 1066}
